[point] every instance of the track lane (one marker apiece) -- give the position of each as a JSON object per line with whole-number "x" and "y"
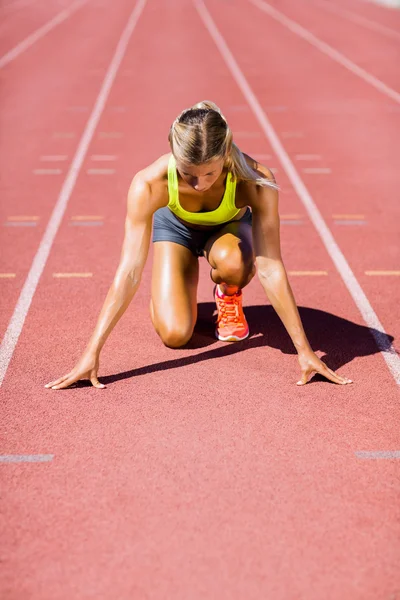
{"x": 30, "y": 134}
{"x": 375, "y": 53}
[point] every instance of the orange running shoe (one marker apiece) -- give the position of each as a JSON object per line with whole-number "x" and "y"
{"x": 231, "y": 323}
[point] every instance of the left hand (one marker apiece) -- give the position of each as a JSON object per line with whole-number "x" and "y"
{"x": 310, "y": 363}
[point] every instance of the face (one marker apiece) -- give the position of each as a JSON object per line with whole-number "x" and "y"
{"x": 201, "y": 177}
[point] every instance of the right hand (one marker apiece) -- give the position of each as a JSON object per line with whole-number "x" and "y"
{"x": 86, "y": 368}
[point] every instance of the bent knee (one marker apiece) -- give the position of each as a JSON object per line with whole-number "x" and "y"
{"x": 175, "y": 337}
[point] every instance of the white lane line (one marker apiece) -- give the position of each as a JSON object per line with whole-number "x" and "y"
{"x": 358, "y": 19}
{"x": 16, "y": 323}
{"x": 53, "y": 157}
{"x": 7, "y": 275}
{"x": 307, "y": 156}
{"x": 39, "y": 33}
{"x": 103, "y": 157}
{"x": 86, "y": 223}
{"x": 47, "y": 171}
{"x": 381, "y": 338}
{"x": 317, "y": 170}
{"x": 18, "y": 458}
{"x": 327, "y": 49}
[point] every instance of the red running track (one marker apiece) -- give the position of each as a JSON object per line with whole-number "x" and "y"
{"x": 203, "y": 472}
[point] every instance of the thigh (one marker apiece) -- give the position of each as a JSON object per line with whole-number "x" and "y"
{"x": 234, "y": 239}
{"x": 174, "y": 287}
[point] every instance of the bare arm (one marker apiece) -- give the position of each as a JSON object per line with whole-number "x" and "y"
{"x": 126, "y": 282}
{"x": 134, "y": 253}
{"x": 273, "y": 277}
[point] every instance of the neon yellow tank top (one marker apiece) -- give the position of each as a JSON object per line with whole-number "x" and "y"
{"x": 226, "y": 211}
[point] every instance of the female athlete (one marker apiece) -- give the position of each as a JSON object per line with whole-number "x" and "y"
{"x": 209, "y": 199}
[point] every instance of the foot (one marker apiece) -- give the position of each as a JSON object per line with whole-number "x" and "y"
{"x": 231, "y": 324}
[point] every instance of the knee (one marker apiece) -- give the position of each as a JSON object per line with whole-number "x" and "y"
{"x": 235, "y": 266}
{"x": 175, "y": 337}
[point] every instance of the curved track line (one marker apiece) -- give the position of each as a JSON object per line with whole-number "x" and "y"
{"x": 24, "y": 301}
{"x": 327, "y": 49}
{"x": 359, "y": 20}
{"x": 39, "y": 33}
{"x": 390, "y": 355}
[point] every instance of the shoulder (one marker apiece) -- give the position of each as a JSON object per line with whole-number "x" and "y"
{"x": 149, "y": 186}
{"x": 259, "y": 168}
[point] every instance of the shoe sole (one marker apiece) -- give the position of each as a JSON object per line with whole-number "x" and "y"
{"x": 231, "y": 338}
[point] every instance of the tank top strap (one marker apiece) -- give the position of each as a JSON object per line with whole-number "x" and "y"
{"x": 173, "y": 188}
{"x": 230, "y": 191}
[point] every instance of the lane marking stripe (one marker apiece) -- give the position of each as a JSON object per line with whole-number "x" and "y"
{"x": 64, "y": 134}
{"x": 47, "y": 171}
{"x": 100, "y": 171}
{"x": 23, "y": 218}
{"x": 86, "y": 218}
{"x": 111, "y": 134}
{"x": 18, "y": 458}
{"x": 326, "y": 49}
{"x": 308, "y": 273}
{"x": 312, "y": 170}
{"x": 378, "y": 454}
{"x": 103, "y": 157}
{"x": 388, "y": 352}
{"x": 7, "y": 275}
{"x": 69, "y": 275}
{"x": 20, "y": 224}
{"x": 39, "y": 33}
{"x": 349, "y": 222}
{"x": 308, "y": 157}
{"x": 16, "y": 323}
{"x": 86, "y": 223}
{"x": 382, "y": 272}
{"x": 348, "y": 217}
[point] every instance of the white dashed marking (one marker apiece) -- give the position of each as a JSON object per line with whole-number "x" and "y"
{"x": 103, "y": 157}
{"x": 308, "y": 157}
{"x": 54, "y": 157}
{"x": 47, "y": 171}
{"x": 100, "y": 171}
{"x": 69, "y": 275}
{"x": 317, "y": 171}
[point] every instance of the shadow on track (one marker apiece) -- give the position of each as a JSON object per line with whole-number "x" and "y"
{"x": 340, "y": 340}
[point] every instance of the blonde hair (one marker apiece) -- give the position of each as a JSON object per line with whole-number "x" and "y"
{"x": 201, "y": 133}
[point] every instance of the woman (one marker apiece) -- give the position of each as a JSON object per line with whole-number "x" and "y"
{"x": 183, "y": 191}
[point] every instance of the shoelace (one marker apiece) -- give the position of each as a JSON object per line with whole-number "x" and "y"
{"x": 228, "y": 309}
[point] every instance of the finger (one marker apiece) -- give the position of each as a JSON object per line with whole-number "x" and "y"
{"x": 57, "y": 381}
{"x": 304, "y": 378}
{"x": 65, "y": 383}
{"x": 332, "y": 376}
{"x": 344, "y": 379}
{"x": 96, "y": 383}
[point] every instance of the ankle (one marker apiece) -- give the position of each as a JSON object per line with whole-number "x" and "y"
{"x": 227, "y": 290}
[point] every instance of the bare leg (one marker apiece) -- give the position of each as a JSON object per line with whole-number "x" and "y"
{"x": 173, "y": 306}
{"x": 230, "y": 254}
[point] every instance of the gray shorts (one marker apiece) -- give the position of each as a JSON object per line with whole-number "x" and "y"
{"x": 167, "y": 228}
